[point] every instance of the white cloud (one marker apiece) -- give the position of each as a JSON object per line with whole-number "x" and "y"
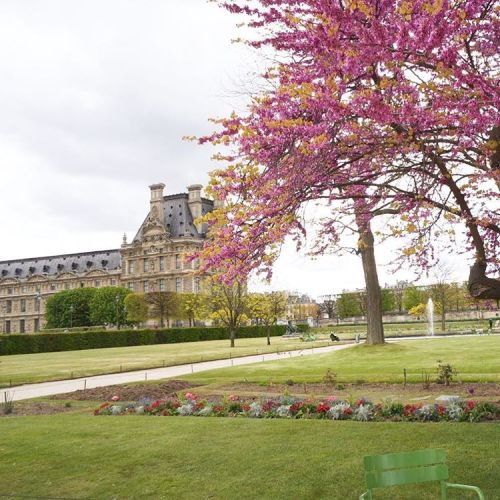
{"x": 95, "y": 99}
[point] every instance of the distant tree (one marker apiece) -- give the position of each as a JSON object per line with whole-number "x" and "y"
{"x": 267, "y": 308}
{"x": 398, "y": 291}
{"x": 414, "y": 296}
{"x": 163, "y": 305}
{"x": 388, "y": 300}
{"x": 107, "y": 306}
{"x": 136, "y": 307}
{"x": 348, "y": 305}
{"x": 441, "y": 292}
{"x": 228, "y": 304}
{"x": 193, "y": 306}
{"x": 418, "y": 310}
{"x": 69, "y": 308}
{"x": 328, "y": 306}
{"x": 459, "y": 296}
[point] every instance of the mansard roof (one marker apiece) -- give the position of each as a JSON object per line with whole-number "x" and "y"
{"x": 177, "y": 217}
{"x": 55, "y": 264}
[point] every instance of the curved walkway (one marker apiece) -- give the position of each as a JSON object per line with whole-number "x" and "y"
{"x": 62, "y": 386}
{"x": 29, "y": 391}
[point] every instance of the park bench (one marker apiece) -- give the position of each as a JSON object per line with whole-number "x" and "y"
{"x": 409, "y": 468}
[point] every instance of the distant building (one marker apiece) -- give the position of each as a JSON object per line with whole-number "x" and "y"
{"x": 153, "y": 261}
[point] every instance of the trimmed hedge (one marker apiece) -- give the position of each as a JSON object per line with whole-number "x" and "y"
{"x": 54, "y": 342}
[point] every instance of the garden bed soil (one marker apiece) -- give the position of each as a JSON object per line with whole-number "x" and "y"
{"x": 412, "y": 392}
{"x": 481, "y": 392}
{"x": 132, "y": 392}
{"x": 22, "y": 409}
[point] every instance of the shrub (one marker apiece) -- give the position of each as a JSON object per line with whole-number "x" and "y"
{"x": 446, "y": 372}
{"x": 53, "y": 342}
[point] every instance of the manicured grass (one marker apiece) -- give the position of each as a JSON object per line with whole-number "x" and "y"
{"x": 81, "y": 456}
{"x": 475, "y": 359}
{"x": 347, "y": 331}
{"x": 26, "y": 368}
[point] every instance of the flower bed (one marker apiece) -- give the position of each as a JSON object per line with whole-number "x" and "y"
{"x": 288, "y": 407}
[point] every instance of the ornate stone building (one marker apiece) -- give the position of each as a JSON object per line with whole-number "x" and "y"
{"x": 153, "y": 261}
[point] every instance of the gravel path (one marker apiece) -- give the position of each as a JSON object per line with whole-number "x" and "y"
{"x": 62, "y": 386}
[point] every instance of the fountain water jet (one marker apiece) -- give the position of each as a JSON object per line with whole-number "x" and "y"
{"x": 430, "y": 317}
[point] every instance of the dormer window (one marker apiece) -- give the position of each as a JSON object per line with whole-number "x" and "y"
{"x": 46, "y": 269}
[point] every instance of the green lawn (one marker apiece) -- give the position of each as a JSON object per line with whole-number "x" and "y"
{"x": 81, "y": 456}
{"x": 347, "y": 331}
{"x": 475, "y": 359}
{"x": 26, "y": 368}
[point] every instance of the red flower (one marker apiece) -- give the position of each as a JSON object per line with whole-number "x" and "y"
{"x": 470, "y": 405}
{"x": 164, "y": 413}
{"x": 246, "y": 407}
{"x": 360, "y": 402}
{"x": 296, "y": 406}
{"x": 441, "y": 410}
{"x": 156, "y": 404}
{"x": 347, "y": 411}
{"x": 322, "y": 408}
{"x": 409, "y": 410}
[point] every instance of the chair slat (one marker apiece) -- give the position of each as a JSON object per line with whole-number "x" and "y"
{"x": 405, "y": 460}
{"x": 379, "y": 478}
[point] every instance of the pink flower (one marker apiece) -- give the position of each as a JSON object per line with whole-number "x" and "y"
{"x": 190, "y": 396}
{"x": 331, "y": 398}
{"x": 233, "y": 397}
{"x": 115, "y": 398}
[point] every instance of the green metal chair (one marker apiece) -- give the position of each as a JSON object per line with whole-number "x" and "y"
{"x": 409, "y": 468}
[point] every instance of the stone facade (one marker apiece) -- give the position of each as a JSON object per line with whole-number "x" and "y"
{"x": 155, "y": 260}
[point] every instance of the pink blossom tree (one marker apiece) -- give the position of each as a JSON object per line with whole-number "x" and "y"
{"x": 378, "y": 107}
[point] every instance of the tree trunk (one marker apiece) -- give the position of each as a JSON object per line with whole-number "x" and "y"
{"x": 480, "y": 286}
{"x": 375, "y": 328}
{"x": 268, "y": 330}
{"x": 443, "y": 319}
{"x": 232, "y": 334}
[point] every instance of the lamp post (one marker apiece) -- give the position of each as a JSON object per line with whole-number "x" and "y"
{"x": 38, "y": 299}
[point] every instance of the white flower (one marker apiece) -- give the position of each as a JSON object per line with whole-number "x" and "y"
{"x": 454, "y": 411}
{"x": 283, "y": 411}
{"x": 206, "y": 411}
{"x": 363, "y": 413}
{"x": 116, "y": 410}
{"x": 185, "y": 410}
{"x": 336, "y": 412}
{"x": 255, "y": 410}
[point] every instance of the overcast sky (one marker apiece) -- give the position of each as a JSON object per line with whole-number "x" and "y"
{"x": 96, "y": 97}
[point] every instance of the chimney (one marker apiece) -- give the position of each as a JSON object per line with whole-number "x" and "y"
{"x": 218, "y": 204}
{"x": 194, "y": 201}
{"x": 156, "y": 203}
